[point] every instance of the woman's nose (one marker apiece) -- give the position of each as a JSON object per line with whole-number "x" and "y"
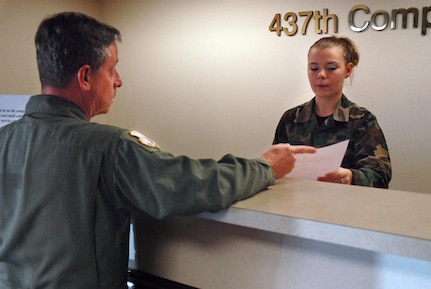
{"x": 321, "y": 74}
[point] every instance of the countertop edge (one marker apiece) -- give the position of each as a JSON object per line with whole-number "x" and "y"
{"x": 325, "y": 232}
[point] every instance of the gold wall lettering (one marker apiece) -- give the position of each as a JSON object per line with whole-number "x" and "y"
{"x": 358, "y": 20}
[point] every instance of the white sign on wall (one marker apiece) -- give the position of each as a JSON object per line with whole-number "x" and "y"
{"x": 12, "y": 107}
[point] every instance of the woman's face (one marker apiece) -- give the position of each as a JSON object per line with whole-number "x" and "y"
{"x": 327, "y": 70}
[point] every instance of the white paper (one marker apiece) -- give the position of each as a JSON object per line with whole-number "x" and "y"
{"x": 12, "y": 107}
{"x": 326, "y": 160}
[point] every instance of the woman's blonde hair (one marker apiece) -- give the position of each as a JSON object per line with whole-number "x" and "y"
{"x": 351, "y": 54}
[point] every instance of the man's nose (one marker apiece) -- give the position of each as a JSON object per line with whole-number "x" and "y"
{"x": 119, "y": 81}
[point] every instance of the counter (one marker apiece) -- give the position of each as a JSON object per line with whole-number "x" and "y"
{"x": 374, "y": 219}
{"x": 305, "y": 234}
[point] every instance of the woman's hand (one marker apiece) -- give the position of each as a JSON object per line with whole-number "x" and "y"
{"x": 341, "y": 176}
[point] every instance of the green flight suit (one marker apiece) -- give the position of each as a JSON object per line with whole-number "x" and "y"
{"x": 68, "y": 186}
{"x": 367, "y": 154}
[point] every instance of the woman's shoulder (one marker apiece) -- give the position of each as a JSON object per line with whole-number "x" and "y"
{"x": 306, "y": 106}
{"x": 357, "y": 110}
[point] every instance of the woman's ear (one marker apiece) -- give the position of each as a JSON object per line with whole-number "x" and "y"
{"x": 349, "y": 70}
{"x": 84, "y": 77}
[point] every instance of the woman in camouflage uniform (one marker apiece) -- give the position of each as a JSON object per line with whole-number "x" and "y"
{"x": 330, "y": 118}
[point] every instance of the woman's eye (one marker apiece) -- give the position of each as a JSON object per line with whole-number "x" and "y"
{"x": 332, "y": 68}
{"x": 312, "y": 68}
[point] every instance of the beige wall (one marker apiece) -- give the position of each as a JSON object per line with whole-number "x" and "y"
{"x": 204, "y": 78}
{"x": 18, "y": 24}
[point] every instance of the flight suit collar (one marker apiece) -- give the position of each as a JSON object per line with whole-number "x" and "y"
{"x": 50, "y": 104}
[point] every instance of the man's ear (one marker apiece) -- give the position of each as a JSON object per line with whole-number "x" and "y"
{"x": 84, "y": 77}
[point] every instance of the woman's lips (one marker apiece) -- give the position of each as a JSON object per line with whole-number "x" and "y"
{"x": 321, "y": 85}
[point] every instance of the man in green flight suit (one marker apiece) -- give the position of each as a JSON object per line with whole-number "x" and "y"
{"x": 68, "y": 186}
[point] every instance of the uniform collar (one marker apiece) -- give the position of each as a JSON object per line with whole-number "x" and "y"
{"x": 342, "y": 110}
{"x": 306, "y": 110}
{"x": 55, "y": 105}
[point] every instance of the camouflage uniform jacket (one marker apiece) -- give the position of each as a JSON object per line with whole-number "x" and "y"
{"x": 367, "y": 154}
